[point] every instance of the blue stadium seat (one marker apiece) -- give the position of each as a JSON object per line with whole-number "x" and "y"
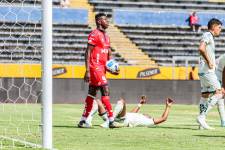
{"x": 162, "y": 43}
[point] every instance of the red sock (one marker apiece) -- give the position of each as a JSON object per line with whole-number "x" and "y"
{"x": 88, "y": 106}
{"x": 108, "y": 107}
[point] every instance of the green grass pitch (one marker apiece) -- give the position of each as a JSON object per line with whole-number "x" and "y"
{"x": 180, "y": 132}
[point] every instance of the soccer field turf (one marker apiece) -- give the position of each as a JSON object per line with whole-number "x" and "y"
{"x": 179, "y": 132}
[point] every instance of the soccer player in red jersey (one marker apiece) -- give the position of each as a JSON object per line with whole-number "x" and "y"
{"x": 98, "y": 52}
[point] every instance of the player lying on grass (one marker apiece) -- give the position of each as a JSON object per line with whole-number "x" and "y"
{"x": 133, "y": 118}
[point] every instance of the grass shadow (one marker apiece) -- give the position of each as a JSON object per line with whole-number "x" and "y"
{"x": 211, "y": 136}
{"x": 177, "y": 128}
{"x": 75, "y": 127}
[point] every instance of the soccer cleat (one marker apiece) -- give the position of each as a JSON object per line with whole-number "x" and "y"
{"x": 84, "y": 124}
{"x": 203, "y": 124}
{"x": 112, "y": 124}
{"x": 81, "y": 124}
{"x": 208, "y": 128}
{"x": 105, "y": 124}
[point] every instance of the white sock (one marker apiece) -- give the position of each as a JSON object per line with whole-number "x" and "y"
{"x": 118, "y": 109}
{"x": 92, "y": 113}
{"x": 220, "y": 106}
{"x": 202, "y": 106}
{"x": 83, "y": 118}
{"x": 111, "y": 119}
{"x": 212, "y": 101}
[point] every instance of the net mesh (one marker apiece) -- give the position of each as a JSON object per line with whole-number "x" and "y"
{"x": 20, "y": 83}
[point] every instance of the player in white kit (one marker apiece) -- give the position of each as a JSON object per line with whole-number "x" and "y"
{"x": 220, "y": 73}
{"x": 134, "y": 118}
{"x": 211, "y": 91}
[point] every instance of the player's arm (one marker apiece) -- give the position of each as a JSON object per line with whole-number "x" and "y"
{"x": 87, "y": 58}
{"x": 141, "y": 102}
{"x": 202, "y": 50}
{"x": 223, "y": 80}
{"x": 165, "y": 114}
{"x": 110, "y": 54}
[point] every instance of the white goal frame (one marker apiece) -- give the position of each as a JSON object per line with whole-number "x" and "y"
{"x": 47, "y": 74}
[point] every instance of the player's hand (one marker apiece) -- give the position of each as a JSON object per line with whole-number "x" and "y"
{"x": 87, "y": 76}
{"x": 114, "y": 73}
{"x": 211, "y": 66}
{"x": 143, "y": 99}
{"x": 169, "y": 102}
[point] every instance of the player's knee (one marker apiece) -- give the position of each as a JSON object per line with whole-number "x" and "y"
{"x": 122, "y": 101}
{"x": 105, "y": 91}
{"x": 219, "y": 92}
{"x": 92, "y": 92}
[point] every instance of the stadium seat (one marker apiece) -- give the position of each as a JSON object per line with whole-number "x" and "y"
{"x": 107, "y": 6}
{"x": 162, "y": 43}
{"x": 20, "y": 44}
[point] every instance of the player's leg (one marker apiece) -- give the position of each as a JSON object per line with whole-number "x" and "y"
{"x": 93, "y": 111}
{"x": 106, "y": 102}
{"x": 120, "y": 109}
{"x": 101, "y": 110}
{"x": 220, "y": 106}
{"x": 220, "y": 103}
{"x": 88, "y": 105}
{"x": 103, "y": 114}
{"x": 209, "y": 83}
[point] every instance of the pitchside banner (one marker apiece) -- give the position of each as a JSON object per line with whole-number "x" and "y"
{"x": 126, "y": 72}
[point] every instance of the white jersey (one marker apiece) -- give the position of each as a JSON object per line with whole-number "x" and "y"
{"x": 137, "y": 119}
{"x": 210, "y": 50}
{"x": 220, "y": 62}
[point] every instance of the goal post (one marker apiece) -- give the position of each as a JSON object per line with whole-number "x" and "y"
{"x": 47, "y": 74}
{"x": 26, "y": 74}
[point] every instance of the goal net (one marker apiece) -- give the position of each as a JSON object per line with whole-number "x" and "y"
{"x": 20, "y": 74}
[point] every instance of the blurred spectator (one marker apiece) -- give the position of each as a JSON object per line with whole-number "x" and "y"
{"x": 194, "y": 22}
{"x": 64, "y": 3}
{"x": 193, "y": 74}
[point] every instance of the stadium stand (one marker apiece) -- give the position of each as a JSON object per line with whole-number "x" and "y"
{"x": 162, "y": 43}
{"x": 162, "y": 31}
{"x": 20, "y": 40}
{"x": 128, "y": 50}
{"x": 148, "y": 17}
{"x": 56, "y": 3}
{"x": 107, "y": 6}
{"x": 24, "y": 45}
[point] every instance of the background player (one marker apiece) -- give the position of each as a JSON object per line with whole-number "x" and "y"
{"x": 220, "y": 73}
{"x": 97, "y": 54}
{"x": 134, "y": 118}
{"x": 210, "y": 86}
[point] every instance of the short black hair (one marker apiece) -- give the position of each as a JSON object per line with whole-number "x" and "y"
{"x": 99, "y": 15}
{"x": 214, "y": 21}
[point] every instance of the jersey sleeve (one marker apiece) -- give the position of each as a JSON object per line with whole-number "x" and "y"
{"x": 205, "y": 38}
{"x": 93, "y": 38}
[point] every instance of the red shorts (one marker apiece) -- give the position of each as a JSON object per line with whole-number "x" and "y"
{"x": 97, "y": 77}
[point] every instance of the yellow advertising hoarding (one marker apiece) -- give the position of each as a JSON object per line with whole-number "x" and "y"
{"x": 73, "y": 71}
